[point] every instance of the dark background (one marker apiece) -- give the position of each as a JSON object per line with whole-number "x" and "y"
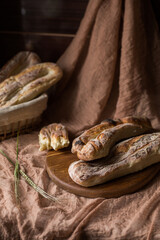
{"x": 44, "y": 26}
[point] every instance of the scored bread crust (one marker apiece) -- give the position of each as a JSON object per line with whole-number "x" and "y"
{"x": 53, "y": 136}
{"x": 97, "y": 141}
{"x": 18, "y": 63}
{"x": 79, "y": 142}
{"x": 127, "y": 157}
{"x": 29, "y": 83}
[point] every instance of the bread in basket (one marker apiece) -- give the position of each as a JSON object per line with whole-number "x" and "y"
{"x": 23, "y": 98}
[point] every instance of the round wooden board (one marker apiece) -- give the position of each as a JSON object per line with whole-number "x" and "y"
{"x": 57, "y": 163}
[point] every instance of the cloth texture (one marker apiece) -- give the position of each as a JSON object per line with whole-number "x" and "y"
{"x": 111, "y": 70}
{"x": 133, "y": 216}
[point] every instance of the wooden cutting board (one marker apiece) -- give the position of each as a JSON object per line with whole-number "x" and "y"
{"x": 57, "y": 163}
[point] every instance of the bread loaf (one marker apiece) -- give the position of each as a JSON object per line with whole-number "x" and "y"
{"x": 53, "y": 136}
{"x": 29, "y": 83}
{"x": 18, "y": 63}
{"x": 127, "y": 157}
{"x": 92, "y": 133}
{"x": 96, "y": 142}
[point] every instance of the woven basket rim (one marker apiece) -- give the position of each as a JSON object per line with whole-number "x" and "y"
{"x": 23, "y": 105}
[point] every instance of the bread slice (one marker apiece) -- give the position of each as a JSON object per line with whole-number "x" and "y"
{"x": 127, "y": 157}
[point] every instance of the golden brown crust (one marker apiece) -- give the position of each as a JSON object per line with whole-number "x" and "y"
{"x": 137, "y": 120}
{"x": 18, "y": 63}
{"x": 53, "y": 136}
{"x": 29, "y": 83}
{"x": 92, "y": 133}
{"x": 101, "y": 138}
{"x": 127, "y": 157}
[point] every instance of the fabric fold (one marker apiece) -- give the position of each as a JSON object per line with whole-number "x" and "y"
{"x": 89, "y": 66}
{"x": 111, "y": 69}
{"x": 139, "y": 84}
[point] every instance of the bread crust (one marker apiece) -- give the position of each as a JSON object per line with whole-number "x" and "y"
{"x": 127, "y": 157}
{"x": 53, "y": 136}
{"x": 97, "y": 141}
{"x": 29, "y": 83}
{"x": 18, "y": 63}
{"x": 92, "y": 133}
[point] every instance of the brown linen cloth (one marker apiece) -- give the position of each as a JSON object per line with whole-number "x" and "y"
{"x": 111, "y": 69}
{"x": 135, "y": 216}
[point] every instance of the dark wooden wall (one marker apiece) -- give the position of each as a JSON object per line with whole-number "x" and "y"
{"x": 44, "y": 26}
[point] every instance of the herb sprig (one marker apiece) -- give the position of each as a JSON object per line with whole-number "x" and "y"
{"x": 18, "y": 171}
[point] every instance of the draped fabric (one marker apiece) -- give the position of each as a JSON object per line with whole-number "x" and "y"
{"x": 111, "y": 70}
{"x": 134, "y": 216}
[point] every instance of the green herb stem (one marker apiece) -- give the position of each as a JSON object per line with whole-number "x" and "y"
{"x": 30, "y": 182}
{"x": 16, "y": 172}
{"x": 36, "y": 187}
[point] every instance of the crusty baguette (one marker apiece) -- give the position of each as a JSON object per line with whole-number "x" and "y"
{"x": 18, "y": 63}
{"x": 96, "y": 142}
{"x": 29, "y": 83}
{"x": 127, "y": 157}
{"x": 53, "y": 136}
{"x": 91, "y": 133}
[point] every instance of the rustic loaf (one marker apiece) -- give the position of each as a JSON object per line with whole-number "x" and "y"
{"x": 96, "y": 142}
{"x": 53, "y": 136}
{"x": 18, "y": 63}
{"x": 127, "y": 157}
{"x": 29, "y": 83}
{"x": 92, "y": 133}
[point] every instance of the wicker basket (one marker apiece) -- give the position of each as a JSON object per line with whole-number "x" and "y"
{"x": 21, "y": 117}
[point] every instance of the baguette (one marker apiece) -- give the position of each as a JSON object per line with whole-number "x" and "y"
{"x": 92, "y": 133}
{"x": 29, "y": 83}
{"x": 127, "y": 157}
{"x": 18, "y": 63}
{"x": 96, "y": 142}
{"x": 53, "y": 136}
